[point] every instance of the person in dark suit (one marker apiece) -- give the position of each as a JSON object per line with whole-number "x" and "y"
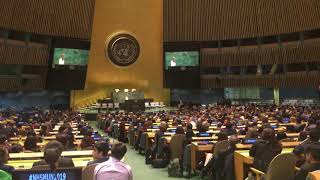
{"x": 61, "y": 162}
{"x": 312, "y": 153}
{"x": 100, "y": 153}
{"x": 264, "y": 150}
{"x": 4, "y": 157}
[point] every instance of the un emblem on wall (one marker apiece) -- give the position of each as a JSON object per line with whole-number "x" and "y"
{"x": 123, "y": 49}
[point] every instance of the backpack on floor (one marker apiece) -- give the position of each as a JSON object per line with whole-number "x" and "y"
{"x": 159, "y": 163}
{"x": 149, "y": 156}
{"x": 174, "y": 169}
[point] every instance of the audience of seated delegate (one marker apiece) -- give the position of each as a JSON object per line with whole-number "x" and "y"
{"x": 114, "y": 168}
{"x": 228, "y": 120}
{"x": 100, "y": 153}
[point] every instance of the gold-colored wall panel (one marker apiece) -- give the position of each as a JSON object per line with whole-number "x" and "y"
{"x": 63, "y": 18}
{"x": 142, "y": 19}
{"x": 293, "y": 52}
{"x": 211, "y": 20}
{"x": 298, "y": 79}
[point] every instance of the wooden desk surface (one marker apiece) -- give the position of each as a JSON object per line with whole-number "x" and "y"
{"x": 55, "y": 129}
{"x": 45, "y": 138}
{"x": 152, "y": 134}
{"x": 284, "y": 145}
{"x": 56, "y": 132}
{"x": 42, "y": 144}
{"x": 27, "y": 164}
{"x": 293, "y": 134}
{"x": 168, "y": 139}
{"x": 208, "y": 147}
{"x": 35, "y": 155}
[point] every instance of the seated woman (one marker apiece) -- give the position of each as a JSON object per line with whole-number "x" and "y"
{"x": 264, "y": 150}
{"x": 4, "y": 157}
{"x": 30, "y": 144}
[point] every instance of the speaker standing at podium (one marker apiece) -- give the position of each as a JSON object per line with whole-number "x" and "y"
{"x": 61, "y": 59}
{"x": 173, "y": 62}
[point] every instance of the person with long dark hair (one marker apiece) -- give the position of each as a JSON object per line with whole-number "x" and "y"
{"x": 30, "y": 144}
{"x": 264, "y": 150}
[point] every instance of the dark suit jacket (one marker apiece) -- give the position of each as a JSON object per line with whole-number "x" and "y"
{"x": 305, "y": 169}
{"x": 7, "y": 168}
{"x": 63, "y": 162}
{"x": 97, "y": 161}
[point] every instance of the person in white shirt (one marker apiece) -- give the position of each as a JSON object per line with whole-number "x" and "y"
{"x": 173, "y": 62}
{"x": 61, "y": 60}
{"x": 114, "y": 168}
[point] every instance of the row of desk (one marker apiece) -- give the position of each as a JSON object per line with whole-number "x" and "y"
{"x": 25, "y": 160}
{"x": 241, "y": 157}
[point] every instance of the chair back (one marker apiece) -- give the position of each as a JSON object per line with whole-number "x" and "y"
{"x": 176, "y": 146}
{"x": 187, "y": 157}
{"x": 115, "y": 130}
{"x": 282, "y": 167}
{"x": 160, "y": 144}
{"x": 314, "y": 175}
{"x": 5, "y": 176}
{"x": 131, "y": 136}
{"x": 220, "y": 146}
{"x": 87, "y": 172}
{"x": 110, "y": 105}
{"x": 144, "y": 140}
{"x": 116, "y": 105}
